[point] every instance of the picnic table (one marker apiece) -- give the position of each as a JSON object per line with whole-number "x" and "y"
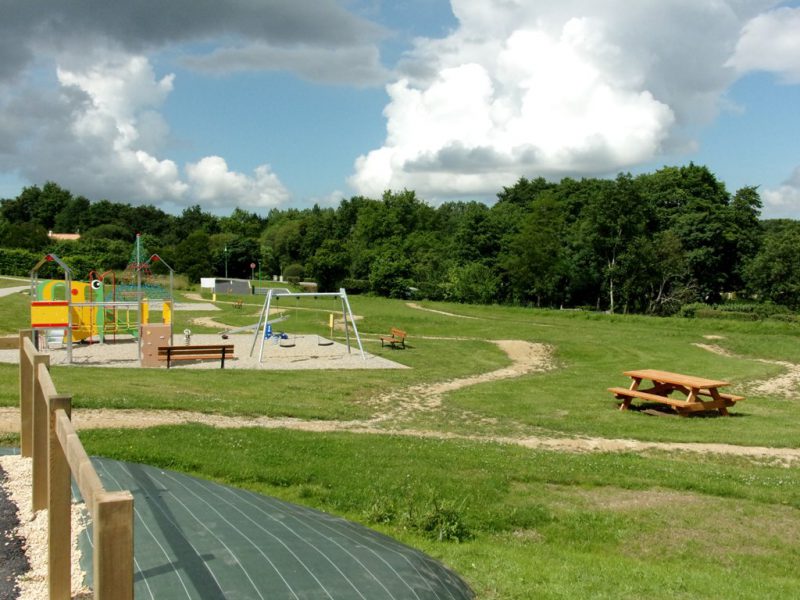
{"x": 699, "y": 393}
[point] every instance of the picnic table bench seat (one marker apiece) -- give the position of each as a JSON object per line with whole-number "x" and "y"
{"x": 621, "y": 393}
{"x": 200, "y": 352}
{"x": 396, "y": 337}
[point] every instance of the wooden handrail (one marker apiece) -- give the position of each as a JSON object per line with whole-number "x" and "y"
{"x": 49, "y": 437}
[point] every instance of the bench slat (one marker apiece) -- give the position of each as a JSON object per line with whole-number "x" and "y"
{"x": 620, "y": 391}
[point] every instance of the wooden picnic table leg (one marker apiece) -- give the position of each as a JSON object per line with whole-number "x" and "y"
{"x": 714, "y": 393}
{"x": 626, "y": 401}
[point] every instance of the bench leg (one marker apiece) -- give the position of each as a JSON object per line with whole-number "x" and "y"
{"x": 626, "y": 402}
{"x": 222, "y": 363}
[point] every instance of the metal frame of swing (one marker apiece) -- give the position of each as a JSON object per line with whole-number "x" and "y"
{"x": 263, "y": 319}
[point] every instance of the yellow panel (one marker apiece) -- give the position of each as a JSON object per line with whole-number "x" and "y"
{"x": 49, "y": 314}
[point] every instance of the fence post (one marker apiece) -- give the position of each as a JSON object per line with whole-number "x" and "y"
{"x": 40, "y": 434}
{"x": 25, "y": 396}
{"x": 59, "y": 509}
{"x": 113, "y": 546}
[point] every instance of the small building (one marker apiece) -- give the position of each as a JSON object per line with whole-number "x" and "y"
{"x": 64, "y": 237}
{"x": 222, "y": 285}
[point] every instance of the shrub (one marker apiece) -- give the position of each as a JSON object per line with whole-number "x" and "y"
{"x": 294, "y": 271}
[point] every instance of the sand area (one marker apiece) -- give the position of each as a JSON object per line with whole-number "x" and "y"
{"x": 296, "y": 352}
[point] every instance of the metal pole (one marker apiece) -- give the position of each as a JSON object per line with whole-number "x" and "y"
{"x": 266, "y": 322}
{"x": 353, "y": 321}
{"x": 225, "y": 251}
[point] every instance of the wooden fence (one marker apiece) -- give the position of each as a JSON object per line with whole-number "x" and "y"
{"x": 48, "y": 437}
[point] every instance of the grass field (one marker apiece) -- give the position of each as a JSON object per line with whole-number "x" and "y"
{"x": 515, "y": 522}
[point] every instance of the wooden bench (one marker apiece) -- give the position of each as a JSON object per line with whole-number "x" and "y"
{"x": 238, "y": 303}
{"x": 209, "y": 352}
{"x": 395, "y": 338}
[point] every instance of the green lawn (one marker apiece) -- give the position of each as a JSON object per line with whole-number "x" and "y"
{"x": 516, "y": 523}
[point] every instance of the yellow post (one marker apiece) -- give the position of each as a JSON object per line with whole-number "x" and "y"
{"x": 59, "y": 534}
{"x": 166, "y": 312}
{"x": 26, "y": 352}
{"x": 113, "y": 546}
{"x": 41, "y": 362}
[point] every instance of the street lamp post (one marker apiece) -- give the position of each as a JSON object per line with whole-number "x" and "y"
{"x": 225, "y": 251}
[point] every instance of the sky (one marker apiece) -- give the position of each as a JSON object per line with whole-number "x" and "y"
{"x": 262, "y": 104}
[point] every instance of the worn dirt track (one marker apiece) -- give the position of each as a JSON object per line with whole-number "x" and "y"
{"x": 396, "y": 408}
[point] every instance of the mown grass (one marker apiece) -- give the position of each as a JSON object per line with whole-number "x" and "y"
{"x": 520, "y": 523}
{"x": 516, "y": 523}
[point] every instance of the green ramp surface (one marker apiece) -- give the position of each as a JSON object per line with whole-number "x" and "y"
{"x": 198, "y": 539}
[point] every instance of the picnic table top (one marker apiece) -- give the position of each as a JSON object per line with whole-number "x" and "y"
{"x": 690, "y": 381}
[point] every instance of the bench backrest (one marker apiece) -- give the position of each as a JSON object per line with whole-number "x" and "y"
{"x": 227, "y": 348}
{"x": 398, "y": 332}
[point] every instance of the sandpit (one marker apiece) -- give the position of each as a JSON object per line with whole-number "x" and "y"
{"x": 306, "y": 352}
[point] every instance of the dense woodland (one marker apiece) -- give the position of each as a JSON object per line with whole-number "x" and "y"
{"x": 652, "y": 243}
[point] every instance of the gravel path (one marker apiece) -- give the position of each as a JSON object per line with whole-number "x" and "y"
{"x": 13, "y": 561}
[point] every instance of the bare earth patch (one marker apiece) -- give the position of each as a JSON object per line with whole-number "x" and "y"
{"x": 438, "y": 312}
{"x": 399, "y": 406}
{"x": 786, "y": 384}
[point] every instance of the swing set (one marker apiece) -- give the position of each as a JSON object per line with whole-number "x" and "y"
{"x": 263, "y": 328}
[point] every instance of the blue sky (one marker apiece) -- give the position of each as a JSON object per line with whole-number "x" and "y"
{"x": 284, "y": 103}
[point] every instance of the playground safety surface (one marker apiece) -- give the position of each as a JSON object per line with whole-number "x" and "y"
{"x": 197, "y": 539}
{"x": 298, "y": 352}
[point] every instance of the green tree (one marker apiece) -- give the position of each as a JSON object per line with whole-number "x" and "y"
{"x": 534, "y": 258}
{"x": 29, "y": 236}
{"x": 473, "y": 283}
{"x": 774, "y": 273}
{"x": 193, "y": 257}
{"x": 389, "y": 276}
{"x": 329, "y": 265}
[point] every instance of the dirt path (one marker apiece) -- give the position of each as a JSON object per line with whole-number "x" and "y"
{"x": 786, "y": 384}
{"x": 438, "y": 312}
{"x": 398, "y": 407}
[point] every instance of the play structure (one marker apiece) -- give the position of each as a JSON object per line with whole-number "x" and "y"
{"x": 264, "y": 332}
{"x": 66, "y": 311}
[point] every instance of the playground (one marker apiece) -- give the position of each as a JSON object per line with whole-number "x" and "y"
{"x": 498, "y": 449}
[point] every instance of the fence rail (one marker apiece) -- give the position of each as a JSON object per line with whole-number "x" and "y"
{"x": 49, "y": 438}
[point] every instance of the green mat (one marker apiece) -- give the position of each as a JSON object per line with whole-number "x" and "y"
{"x": 197, "y": 539}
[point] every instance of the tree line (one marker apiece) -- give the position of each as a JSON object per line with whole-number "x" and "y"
{"x": 646, "y": 244}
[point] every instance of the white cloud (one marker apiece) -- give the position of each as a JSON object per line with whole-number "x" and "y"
{"x": 771, "y": 42}
{"x": 568, "y": 88}
{"x": 214, "y": 185}
{"x": 103, "y": 134}
{"x": 783, "y": 201}
{"x": 120, "y": 94}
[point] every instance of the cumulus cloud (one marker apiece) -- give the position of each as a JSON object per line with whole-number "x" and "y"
{"x": 783, "y": 201}
{"x": 101, "y": 135}
{"x": 770, "y": 42}
{"x": 553, "y": 89}
{"x": 213, "y": 184}
{"x": 95, "y": 130}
